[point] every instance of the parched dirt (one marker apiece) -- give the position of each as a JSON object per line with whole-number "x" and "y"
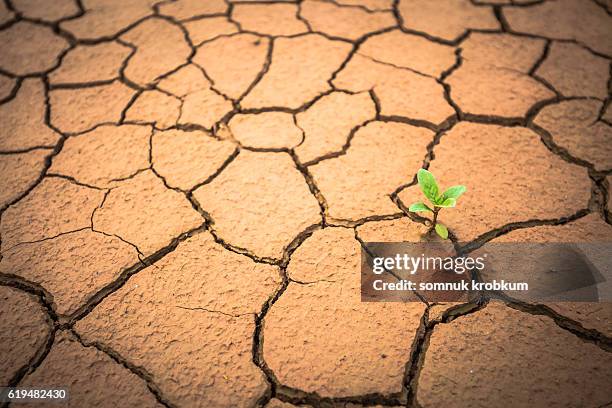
{"x": 186, "y": 186}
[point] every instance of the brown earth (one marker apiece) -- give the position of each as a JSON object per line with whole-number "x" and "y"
{"x": 185, "y": 188}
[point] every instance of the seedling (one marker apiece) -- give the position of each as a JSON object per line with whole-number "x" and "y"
{"x": 447, "y": 199}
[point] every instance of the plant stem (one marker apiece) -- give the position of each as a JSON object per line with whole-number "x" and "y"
{"x": 435, "y": 217}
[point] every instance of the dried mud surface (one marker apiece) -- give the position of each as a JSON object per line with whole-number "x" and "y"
{"x": 186, "y": 187}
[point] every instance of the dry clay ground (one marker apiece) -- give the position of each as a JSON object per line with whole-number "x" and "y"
{"x": 185, "y": 186}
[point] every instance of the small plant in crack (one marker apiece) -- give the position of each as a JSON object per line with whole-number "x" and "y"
{"x": 447, "y": 199}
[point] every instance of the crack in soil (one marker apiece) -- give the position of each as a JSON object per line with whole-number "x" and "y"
{"x": 45, "y": 301}
{"x": 139, "y": 371}
{"x": 421, "y": 343}
{"x": 119, "y": 282}
{"x": 576, "y": 328}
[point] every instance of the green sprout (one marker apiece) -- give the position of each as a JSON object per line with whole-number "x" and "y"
{"x": 447, "y": 199}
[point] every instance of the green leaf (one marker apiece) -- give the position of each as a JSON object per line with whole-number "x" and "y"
{"x": 449, "y": 202}
{"x": 442, "y": 231}
{"x": 428, "y": 184}
{"x": 453, "y": 192}
{"x": 419, "y": 207}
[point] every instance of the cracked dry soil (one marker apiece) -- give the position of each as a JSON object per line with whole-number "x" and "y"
{"x": 185, "y": 187}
